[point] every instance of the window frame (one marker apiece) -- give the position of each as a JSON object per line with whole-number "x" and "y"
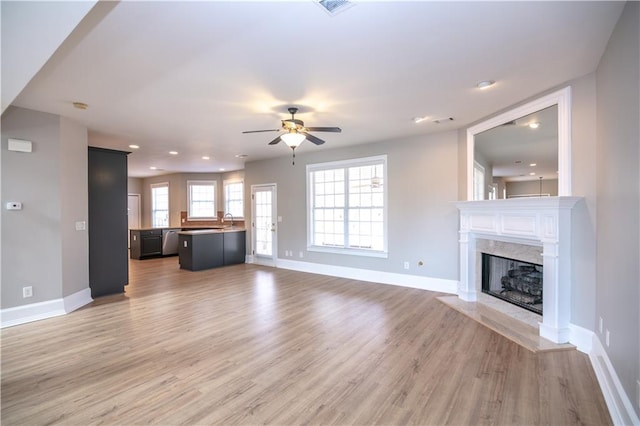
{"x": 478, "y": 184}
{"x": 346, "y": 164}
{"x": 225, "y": 183}
{"x": 213, "y": 183}
{"x": 151, "y": 188}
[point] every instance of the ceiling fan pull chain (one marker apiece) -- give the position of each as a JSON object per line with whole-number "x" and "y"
{"x": 294, "y": 156}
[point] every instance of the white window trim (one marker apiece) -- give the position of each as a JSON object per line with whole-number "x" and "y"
{"x": 477, "y": 167}
{"x": 355, "y": 162}
{"x": 160, "y": 185}
{"x": 224, "y": 195}
{"x": 215, "y": 201}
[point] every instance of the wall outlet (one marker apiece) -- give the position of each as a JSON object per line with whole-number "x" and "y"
{"x": 27, "y": 291}
{"x": 606, "y": 338}
{"x": 601, "y": 326}
{"x": 184, "y": 243}
{"x": 406, "y": 265}
{"x": 301, "y": 254}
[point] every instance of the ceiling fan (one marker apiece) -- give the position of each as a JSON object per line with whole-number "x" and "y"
{"x": 296, "y": 132}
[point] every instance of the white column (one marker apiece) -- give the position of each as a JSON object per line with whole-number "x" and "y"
{"x": 467, "y": 283}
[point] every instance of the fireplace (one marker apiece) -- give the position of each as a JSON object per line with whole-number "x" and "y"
{"x": 544, "y": 223}
{"x": 514, "y": 281}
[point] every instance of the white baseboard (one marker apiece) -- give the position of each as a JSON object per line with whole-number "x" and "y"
{"x": 620, "y": 406}
{"x": 402, "y": 280}
{"x": 581, "y": 337}
{"x": 43, "y": 310}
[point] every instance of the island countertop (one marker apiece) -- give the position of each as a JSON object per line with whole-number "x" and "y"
{"x": 211, "y": 231}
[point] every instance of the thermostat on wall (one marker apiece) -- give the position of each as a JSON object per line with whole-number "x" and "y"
{"x": 19, "y": 145}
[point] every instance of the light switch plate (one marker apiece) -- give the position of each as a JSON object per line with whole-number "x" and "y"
{"x": 81, "y": 225}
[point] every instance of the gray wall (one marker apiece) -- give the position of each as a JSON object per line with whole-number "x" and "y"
{"x": 532, "y": 187}
{"x": 618, "y": 213}
{"x": 40, "y": 247}
{"x": 178, "y": 192}
{"x": 74, "y": 199}
{"x": 423, "y": 221}
{"x": 583, "y": 155}
{"x": 134, "y": 185}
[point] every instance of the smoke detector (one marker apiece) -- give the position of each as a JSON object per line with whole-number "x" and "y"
{"x": 333, "y": 7}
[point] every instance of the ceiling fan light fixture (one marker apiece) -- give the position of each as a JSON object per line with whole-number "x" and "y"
{"x": 293, "y": 139}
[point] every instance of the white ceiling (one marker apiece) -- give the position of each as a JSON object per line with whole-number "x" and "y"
{"x": 191, "y": 76}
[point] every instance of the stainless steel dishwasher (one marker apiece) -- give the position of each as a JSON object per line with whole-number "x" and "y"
{"x": 169, "y": 242}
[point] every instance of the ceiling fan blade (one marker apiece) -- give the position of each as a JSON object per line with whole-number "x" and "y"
{"x": 324, "y": 129}
{"x": 260, "y": 131}
{"x": 275, "y": 141}
{"x": 313, "y": 139}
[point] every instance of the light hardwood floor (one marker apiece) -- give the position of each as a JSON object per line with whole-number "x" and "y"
{"x": 248, "y": 344}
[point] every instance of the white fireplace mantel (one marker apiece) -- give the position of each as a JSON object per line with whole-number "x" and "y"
{"x": 544, "y": 221}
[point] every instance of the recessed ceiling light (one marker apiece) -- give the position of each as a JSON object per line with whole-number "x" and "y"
{"x": 205, "y": 157}
{"x": 485, "y": 84}
{"x": 241, "y": 155}
{"x": 222, "y": 169}
{"x": 533, "y": 164}
{"x": 134, "y": 146}
{"x": 419, "y": 119}
{"x": 80, "y": 105}
{"x": 173, "y": 152}
{"x": 534, "y": 125}
{"x": 153, "y": 168}
{"x": 532, "y": 174}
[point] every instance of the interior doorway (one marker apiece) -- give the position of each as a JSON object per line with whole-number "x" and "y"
{"x": 133, "y": 214}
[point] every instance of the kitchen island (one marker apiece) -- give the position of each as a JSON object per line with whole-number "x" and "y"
{"x": 211, "y": 248}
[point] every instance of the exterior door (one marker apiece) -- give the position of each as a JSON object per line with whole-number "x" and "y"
{"x": 133, "y": 214}
{"x": 263, "y": 222}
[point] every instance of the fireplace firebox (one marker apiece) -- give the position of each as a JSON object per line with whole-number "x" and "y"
{"x": 514, "y": 281}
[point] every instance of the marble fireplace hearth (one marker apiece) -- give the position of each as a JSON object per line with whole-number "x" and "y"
{"x": 536, "y": 230}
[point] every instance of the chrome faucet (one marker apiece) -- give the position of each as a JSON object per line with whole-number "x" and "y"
{"x": 228, "y": 214}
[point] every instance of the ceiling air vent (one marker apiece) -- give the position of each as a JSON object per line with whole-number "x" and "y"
{"x": 443, "y": 120}
{"x": 333, "y": 7}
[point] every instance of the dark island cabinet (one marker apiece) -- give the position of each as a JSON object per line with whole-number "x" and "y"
{"x": 145, "y": 243}
{"x": 234, "y": 247}
{"x": 108, "y": 258}
{"x": 201, "y": 251}
{"x": 205, "y": 249}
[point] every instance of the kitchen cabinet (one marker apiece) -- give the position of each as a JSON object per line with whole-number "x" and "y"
{"x": 108, "y": 263}
{"x": 234, "y": 247}
{"x": 145, "y": 243}
{"x": 205, "y": 249}
{"x": 199, "y": 250}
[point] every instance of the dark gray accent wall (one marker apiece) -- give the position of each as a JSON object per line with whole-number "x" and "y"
{"x": 422, "y": 174}
{"x": 618, "y": 203}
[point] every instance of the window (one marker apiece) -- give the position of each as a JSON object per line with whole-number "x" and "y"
{"x": 234, "y": 198}
{"x": 478, "y": 181}
{"x": 160, "y": 205}
{"x": 347, "y": 206}
{"x": 201, "y": 199}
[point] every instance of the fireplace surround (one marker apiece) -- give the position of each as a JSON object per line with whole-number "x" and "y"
{"x": 528, "y": 222}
